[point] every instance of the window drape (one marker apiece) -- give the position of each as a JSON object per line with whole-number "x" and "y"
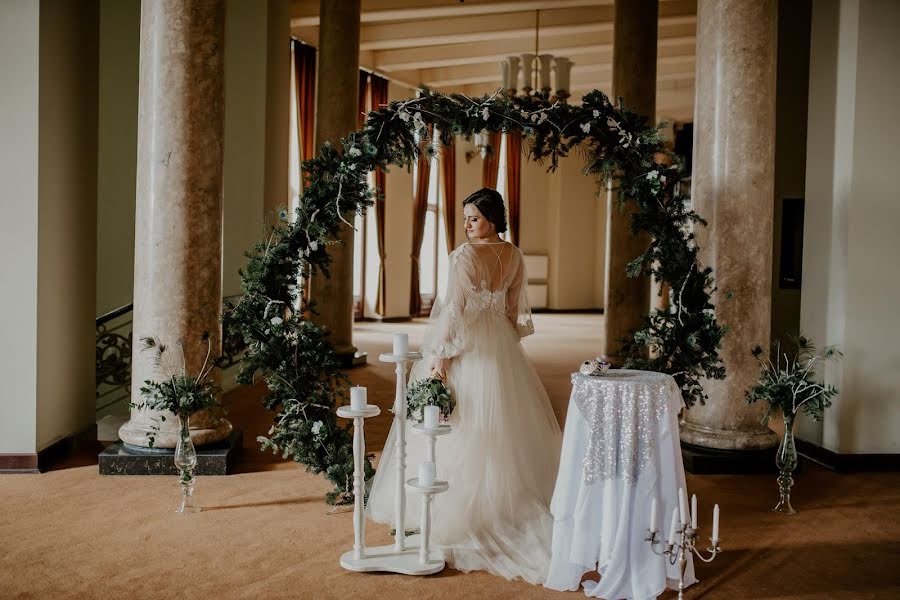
{"x": 448, "y": 179}
{"x": 420, "y": 209}
{"x": 305, "y": 81}
{"x": 491, "y": 163}
{"x": 514, "y": 182}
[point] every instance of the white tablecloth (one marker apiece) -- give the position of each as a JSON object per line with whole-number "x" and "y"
{"x": 620, "y": 450}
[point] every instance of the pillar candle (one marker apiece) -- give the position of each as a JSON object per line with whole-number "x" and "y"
{"x": 358, "y": 399}
{"x": 694, "y": 511}
{"x": 682, "y": 505}
{"x": 673, "y": 527}
{"x": 715, "y": 529}
{"x": 653, "y": 516}
{"x": 432, "y": 417}
{"x": 401, "y": 344}
{"x": 426, "y": 473}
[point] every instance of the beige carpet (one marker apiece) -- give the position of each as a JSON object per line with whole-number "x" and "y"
{"x": 266, "y": 533}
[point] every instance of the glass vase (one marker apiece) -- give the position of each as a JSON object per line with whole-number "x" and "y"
{"x": 786, "y": 461}
{"x": 185, "y": 462}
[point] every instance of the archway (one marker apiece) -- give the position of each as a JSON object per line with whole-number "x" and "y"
{"x": 293, "y": 354}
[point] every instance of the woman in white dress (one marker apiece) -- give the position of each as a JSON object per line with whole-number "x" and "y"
{"x": 502, "y": 455}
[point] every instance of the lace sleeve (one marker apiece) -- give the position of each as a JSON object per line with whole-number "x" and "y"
{"x": 444, "y": 339}
{"x": 517, "y": 310}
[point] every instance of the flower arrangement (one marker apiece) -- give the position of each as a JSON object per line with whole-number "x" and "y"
{"x": 178, "y": 392}
{"x": 788, "y": 385}
{"x": 429, "y": 391}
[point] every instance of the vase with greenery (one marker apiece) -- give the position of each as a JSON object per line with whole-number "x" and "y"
{"x": 181, "y": 394}
{"x": 789, "y": 385}
{"x": 429, "y": 391}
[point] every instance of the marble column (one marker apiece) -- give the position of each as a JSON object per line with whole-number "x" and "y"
{"x": 627, "y": 299}
{"x": 337, "y": 109}
{"x": 178, "y": 220}
{"x": 733, "y": 186}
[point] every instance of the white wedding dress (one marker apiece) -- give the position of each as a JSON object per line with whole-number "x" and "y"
{"x": 502, "y": 455}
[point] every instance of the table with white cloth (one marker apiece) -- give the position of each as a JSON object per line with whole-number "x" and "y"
{"x": 620, "y": 450}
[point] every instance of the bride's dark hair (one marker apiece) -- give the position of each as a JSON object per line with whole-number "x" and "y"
{"x": 490, "y": 203}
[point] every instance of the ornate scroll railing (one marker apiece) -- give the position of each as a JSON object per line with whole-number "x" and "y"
{"x": 114, "y": 344}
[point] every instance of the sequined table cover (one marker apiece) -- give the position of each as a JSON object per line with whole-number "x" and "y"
{"x": 620, "y": 450}
{"x": 622, "y": 408}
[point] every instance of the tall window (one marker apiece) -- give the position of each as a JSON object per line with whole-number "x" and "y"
{"x": 433, "y": 259}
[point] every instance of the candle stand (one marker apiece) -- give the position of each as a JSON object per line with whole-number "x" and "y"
{"x": 679, "y": 551}
{"x": 403, "y": 556}
{"x": 428, "y": 491}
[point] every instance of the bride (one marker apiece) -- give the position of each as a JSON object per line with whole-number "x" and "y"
{"x": 501, "y": 457}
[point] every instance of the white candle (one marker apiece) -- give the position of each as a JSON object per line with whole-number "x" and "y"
{"x": 682, "y": 505}
{"x": 401, "y": 344}
{"x": 358, "y": 398}
{"x": 432, "y": 416}
{"x": 673, "y": 528}
{"x": 426, "y": 473}
{"x": 715, "y": 529}
{"x": 694, "y": 511}
{"x": 544, "y": 70}
{"x": 653, "y": 516}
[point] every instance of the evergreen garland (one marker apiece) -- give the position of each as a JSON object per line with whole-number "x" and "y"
{"x": 294, "y": 355}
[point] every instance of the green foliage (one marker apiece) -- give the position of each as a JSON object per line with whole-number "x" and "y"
{"x": 789, "y": 385}
{"x": 294, "y": 355}
{"x": 177, "y": 392}
{"x": 428, "y": 392}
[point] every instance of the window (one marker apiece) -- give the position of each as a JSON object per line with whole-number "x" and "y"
{"x": 433, "y": 258}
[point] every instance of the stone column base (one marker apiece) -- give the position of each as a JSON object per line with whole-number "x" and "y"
{"x": 135, "y": 434}
{"x": 727, "y": 439}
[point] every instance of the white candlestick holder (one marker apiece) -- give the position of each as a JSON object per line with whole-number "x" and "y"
{"x": 428, "y": 491}
{"x": 686, "y": 542}
{"x": 404, "y": 555}
{"x": 359, "y": 476}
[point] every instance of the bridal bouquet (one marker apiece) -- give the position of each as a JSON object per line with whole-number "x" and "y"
{"x": 429, "y": 391}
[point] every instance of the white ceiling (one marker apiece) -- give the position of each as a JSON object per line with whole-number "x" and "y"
{"x": 454, "y": 46}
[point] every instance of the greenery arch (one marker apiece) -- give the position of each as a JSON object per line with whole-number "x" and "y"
{"x": 294, "y": 355}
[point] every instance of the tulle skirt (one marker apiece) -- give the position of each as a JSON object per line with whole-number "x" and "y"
{"x": 500, "y": 460}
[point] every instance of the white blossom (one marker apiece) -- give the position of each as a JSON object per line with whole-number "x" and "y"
{"x": 544, "y": 117}
{"x": 317, "y": 428}
{"x": 485, "y": 113}
{"x": 596, "y": 113}
{"x": 534, "y": 118}
{"x": 314, "y": 245}
{"x": 612, "y": 123}
{"x": 653, "y": 174}
{"x": 586, "y": 127}
{"x": 404, "y": 116}
{"x": 276, "y": 320}
{"x": 354, "y": 152}
{"x": 662, "y": 178}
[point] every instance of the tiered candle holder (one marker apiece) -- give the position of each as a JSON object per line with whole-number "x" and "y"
{"x": 403, "y": 556}
{"x": 428, "y": 491}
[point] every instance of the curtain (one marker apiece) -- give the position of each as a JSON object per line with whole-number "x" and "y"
{"x": 378, "y": 88}
{"x": 491, "y": 164}
{"x": 513, "y": 182}
{"x": 448, "y": 178}
{"x": 305, "y": 78}
{"x": 420, "y": 210}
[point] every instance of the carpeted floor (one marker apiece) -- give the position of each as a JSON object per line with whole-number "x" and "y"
{"x": 266, "y": 533}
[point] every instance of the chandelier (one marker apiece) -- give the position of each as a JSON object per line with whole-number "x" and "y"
{"x": 535, "y": 72}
